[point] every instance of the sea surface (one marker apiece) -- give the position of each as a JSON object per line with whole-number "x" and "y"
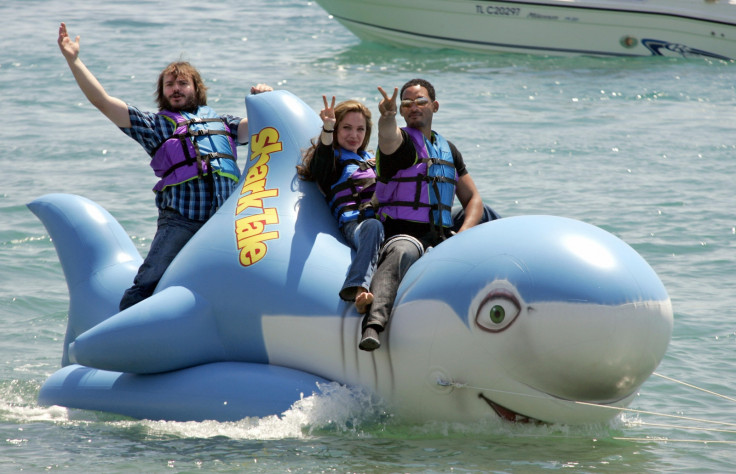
{"x": 643, "y": 148}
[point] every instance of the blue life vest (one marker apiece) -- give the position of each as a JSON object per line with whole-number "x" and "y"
{"x": 200, "y": 143}
{"x": 428, "y": 186}
{"x": 350, "y": 197}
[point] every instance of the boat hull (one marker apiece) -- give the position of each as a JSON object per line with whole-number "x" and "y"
{"x": 555, "y": 27}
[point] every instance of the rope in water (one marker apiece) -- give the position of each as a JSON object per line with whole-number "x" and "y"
{"x": 693, "y": 386}
{"x": 644, "y": 412}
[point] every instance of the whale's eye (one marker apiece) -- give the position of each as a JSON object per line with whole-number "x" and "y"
{"x": 497, "y": 314}
{"x": 498, "y": 311}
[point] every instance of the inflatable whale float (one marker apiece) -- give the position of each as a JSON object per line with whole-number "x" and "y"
{"x": 522, "y": 317}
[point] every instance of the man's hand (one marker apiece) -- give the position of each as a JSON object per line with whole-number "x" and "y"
{"x": 387, "y": 106}
{"x": 69, "y": 48}
{"x": 258, "y": 88}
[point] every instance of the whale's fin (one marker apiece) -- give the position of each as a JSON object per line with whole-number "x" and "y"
{"x": 172, "y": 329}
{"x": 98, "y": 258}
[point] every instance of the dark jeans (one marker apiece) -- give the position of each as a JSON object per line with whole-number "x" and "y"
{"x": 397, "y": 255}
{"x": 173, "y": 231}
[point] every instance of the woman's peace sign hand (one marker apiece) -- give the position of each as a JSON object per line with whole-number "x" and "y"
{"x": 328, "y": 114}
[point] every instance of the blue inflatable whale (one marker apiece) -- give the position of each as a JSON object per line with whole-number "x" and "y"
{"x": 522, "y": 317}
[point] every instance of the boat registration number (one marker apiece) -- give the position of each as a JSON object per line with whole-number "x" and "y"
{"x": 491, "y": 10}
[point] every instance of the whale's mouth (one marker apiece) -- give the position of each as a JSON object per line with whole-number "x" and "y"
{"x": 505, "y": 413}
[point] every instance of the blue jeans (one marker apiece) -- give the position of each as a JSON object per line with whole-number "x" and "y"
{"x": 173, "y": 231}
{"x": 366, "y": 238}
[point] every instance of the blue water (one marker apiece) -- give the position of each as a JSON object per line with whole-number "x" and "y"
{"x": 640, "y": 147}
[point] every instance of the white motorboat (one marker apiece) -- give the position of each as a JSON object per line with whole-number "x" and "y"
{"x": 683, "y": 28}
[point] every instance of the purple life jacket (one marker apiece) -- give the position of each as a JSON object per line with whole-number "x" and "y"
{"x": 427, "y": 187}
{"x": 201, "y": 142}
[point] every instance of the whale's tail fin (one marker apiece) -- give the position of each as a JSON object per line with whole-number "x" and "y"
{"x": 98, "y": 258}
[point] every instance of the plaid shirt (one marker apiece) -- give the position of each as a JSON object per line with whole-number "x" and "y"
{"x": 196, "y": 199}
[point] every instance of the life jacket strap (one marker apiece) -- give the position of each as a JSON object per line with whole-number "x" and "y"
{"x": 359, "y": 196}
{"x": 192, "y": 160}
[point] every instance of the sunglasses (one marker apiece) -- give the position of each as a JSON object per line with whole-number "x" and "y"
{"x": 420, "y": 101}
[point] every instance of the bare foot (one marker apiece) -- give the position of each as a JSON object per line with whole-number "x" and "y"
{"x": 362, "y": 300}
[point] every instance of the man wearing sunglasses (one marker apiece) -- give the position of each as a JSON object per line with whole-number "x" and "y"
{"x": 419, "y": 175}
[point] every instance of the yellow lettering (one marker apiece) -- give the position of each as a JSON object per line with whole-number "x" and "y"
{"x": 249, "y": 231}
{"x": 264, "y": 143}
{"x": 253, "y": 186}
{"x": 254, "y": 198}
{"x": 250, "y": 236}
{"x": 253, "y": 249}
{"x": 256, "y": 173}
{"x": 255, "y": 224}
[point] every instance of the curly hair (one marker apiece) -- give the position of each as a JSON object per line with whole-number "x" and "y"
{"x": 341, "y": 110}
{"x": 181, "y": 69}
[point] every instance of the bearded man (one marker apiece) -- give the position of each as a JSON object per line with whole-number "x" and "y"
{"x": 192, "y": 149}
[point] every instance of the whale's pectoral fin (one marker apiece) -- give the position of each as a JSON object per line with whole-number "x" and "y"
{"x": 172, "y": 329}
{"x": 223, "y": 391}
